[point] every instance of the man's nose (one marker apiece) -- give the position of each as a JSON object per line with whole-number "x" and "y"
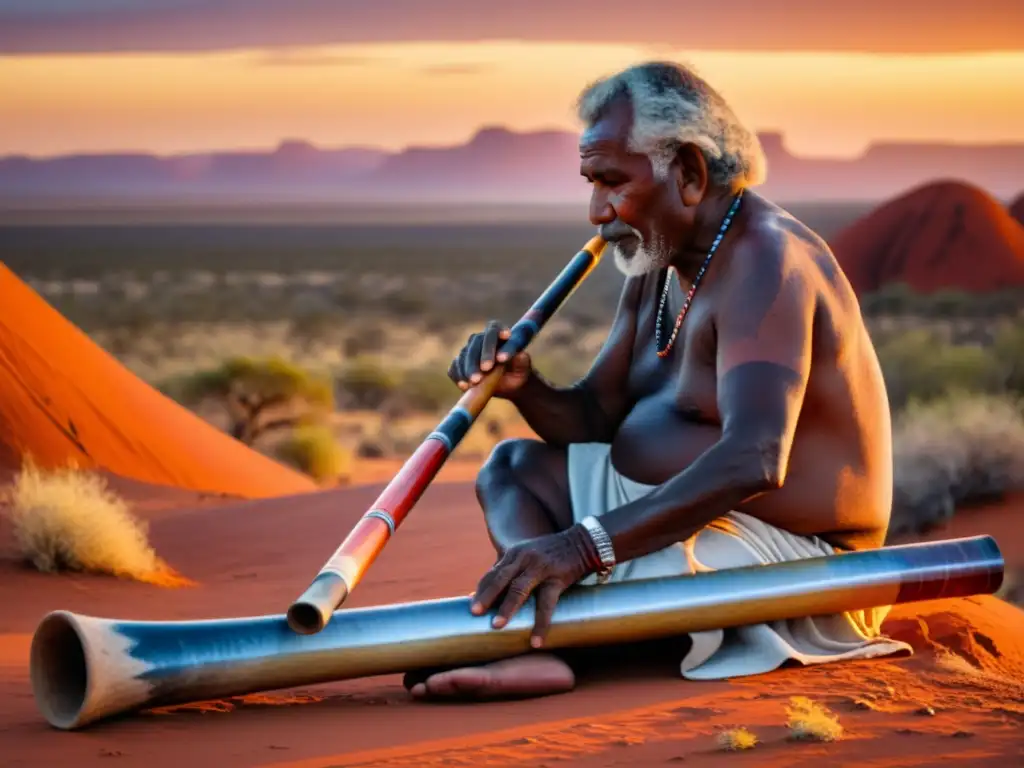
{"x": 601, "y": 211}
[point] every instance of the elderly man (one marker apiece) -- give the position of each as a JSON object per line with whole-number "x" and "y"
{"x": 736, "y": 414}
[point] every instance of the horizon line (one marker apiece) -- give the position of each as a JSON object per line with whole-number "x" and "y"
{"x": 481, "y": 129}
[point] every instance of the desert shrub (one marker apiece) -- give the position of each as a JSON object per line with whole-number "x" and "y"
{"x": 891, "y": 299}
{"x": 899, "y": 299}
{"x": 370, "y": 337}
{"x": 366, "y": 383}
{"x": 736, "y": 739}
{"x": 259, "y": 395}
{"x": 372, "y": 448}
{"x": 427, "y": 389}
{"x": 67, "y": 519}
{"x": 314, "y": 450}
{"x": 949, "y": 303}
{"x": 810, "y": 721}
{"x": 951, "y": 452}
{"x": 1008, "y": 350}
{"x": 917, "y": 365}
{"x": 310, "y": 326}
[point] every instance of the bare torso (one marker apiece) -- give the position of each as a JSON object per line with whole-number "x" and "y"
{"x": 839, "y": 483}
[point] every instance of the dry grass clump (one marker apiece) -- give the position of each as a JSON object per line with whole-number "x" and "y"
{"x": 68, "y": 519}
{"x": 736, "y": 738}
{"x": 809, "y": 721}
{"x": 957, "y": 450}
{"x": 314, "y": 450}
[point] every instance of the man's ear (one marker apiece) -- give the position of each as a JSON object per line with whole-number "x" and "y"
{"x": 691, "y": 174}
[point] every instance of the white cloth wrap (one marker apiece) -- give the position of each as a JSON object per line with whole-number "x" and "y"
{"x": 732, "y": 541}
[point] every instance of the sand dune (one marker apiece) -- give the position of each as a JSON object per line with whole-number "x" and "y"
{"x": 63, "y": 398}
{"x": 252, "y": 557}
{"x": 943, "y": 235}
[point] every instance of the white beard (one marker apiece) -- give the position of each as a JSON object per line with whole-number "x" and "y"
{"x": 647, "y": 258}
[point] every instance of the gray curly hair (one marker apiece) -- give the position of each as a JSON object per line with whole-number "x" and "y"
{"x": 673, "y": 106}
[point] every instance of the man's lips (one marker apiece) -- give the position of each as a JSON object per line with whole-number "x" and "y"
{"x": 617, "y": 233}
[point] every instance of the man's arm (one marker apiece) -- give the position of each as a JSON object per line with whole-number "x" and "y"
{"x": 591, "y": 409}
{"x": 764, "y": 329}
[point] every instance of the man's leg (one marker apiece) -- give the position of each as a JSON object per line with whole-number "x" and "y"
{"x": 523, "y": 489}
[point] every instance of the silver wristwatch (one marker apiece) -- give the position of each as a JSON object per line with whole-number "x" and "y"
{"x": 603, "y": 543}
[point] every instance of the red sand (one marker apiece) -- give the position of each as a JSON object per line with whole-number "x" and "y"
{"x": 63, "y": 399}
{"x": 944, "y": 235}
{"x": 253, "y": 557}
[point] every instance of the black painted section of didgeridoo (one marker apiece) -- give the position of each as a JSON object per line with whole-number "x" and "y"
{"x": 454, "y": 426}
{"x": 547, "y": 304}
{"x": 520, "y": 335}
{"x": 311, "y": 612}
{"x": 560, "y": 288}
{"x": 956, "y": 568}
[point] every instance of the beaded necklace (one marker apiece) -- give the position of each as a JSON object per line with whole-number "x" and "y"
{"x": 693, "y": 288}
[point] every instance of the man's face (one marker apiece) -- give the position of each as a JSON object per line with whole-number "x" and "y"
{"x": 640, "y": 215}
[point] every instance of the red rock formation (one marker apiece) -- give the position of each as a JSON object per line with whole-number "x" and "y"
{"x": 943, "y": 235}
{"x": 1017, "y": 208}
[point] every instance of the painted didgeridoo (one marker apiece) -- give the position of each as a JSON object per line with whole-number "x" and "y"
{"x": 84, "y": 669}
{"x": 345, "y": 568}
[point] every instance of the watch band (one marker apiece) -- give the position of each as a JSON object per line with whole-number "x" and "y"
{"x": 603, "y": 543}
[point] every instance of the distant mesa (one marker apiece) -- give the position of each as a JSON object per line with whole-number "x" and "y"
{"x": 495, "y": 164}
{"x": 1017, "y": 209}
{"x": 942, "y": 235}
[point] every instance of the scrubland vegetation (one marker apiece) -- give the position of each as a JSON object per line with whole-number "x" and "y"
{"x": 319, "y": 345}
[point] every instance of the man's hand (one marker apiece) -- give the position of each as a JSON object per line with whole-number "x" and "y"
{"x": 481, "y": 353}
{"x": 547, "y": 565}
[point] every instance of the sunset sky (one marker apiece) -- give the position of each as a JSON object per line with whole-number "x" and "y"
{"x": 187, "y": 75}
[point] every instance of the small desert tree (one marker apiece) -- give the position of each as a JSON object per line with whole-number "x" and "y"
{"x": 261, "y": 395}
{"x": 367, "y": 383}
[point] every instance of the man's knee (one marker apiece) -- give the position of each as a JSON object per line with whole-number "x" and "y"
{"x": 526, "y": 463}
{"x": 510, "y": 461}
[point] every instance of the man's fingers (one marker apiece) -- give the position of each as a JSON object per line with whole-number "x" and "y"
{"x": 518, "y": 592}
{"x": 547, "y": 599}
{"x": 454, "y": 372}
{"x": 505, "y": 334}
{"x": 494, "y": 583}
{"x": 471, "y": 359}
{"x": 490, "y": 346}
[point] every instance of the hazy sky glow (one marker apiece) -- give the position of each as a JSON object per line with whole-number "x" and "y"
{"x": 893, "y": 26}
{"x": 187, "y": 75}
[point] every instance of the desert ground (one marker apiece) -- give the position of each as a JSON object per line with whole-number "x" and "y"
{"x": 959, "y": 698}
{"x": 91, "y": 371}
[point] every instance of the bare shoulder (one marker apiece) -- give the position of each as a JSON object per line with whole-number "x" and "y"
{"x": 805, "y": 248}
{"x": 771, "y": 258}
{"x": 776, "y": 252}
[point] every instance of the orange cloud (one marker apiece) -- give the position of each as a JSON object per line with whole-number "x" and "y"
{"x": 392, "y": 95}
